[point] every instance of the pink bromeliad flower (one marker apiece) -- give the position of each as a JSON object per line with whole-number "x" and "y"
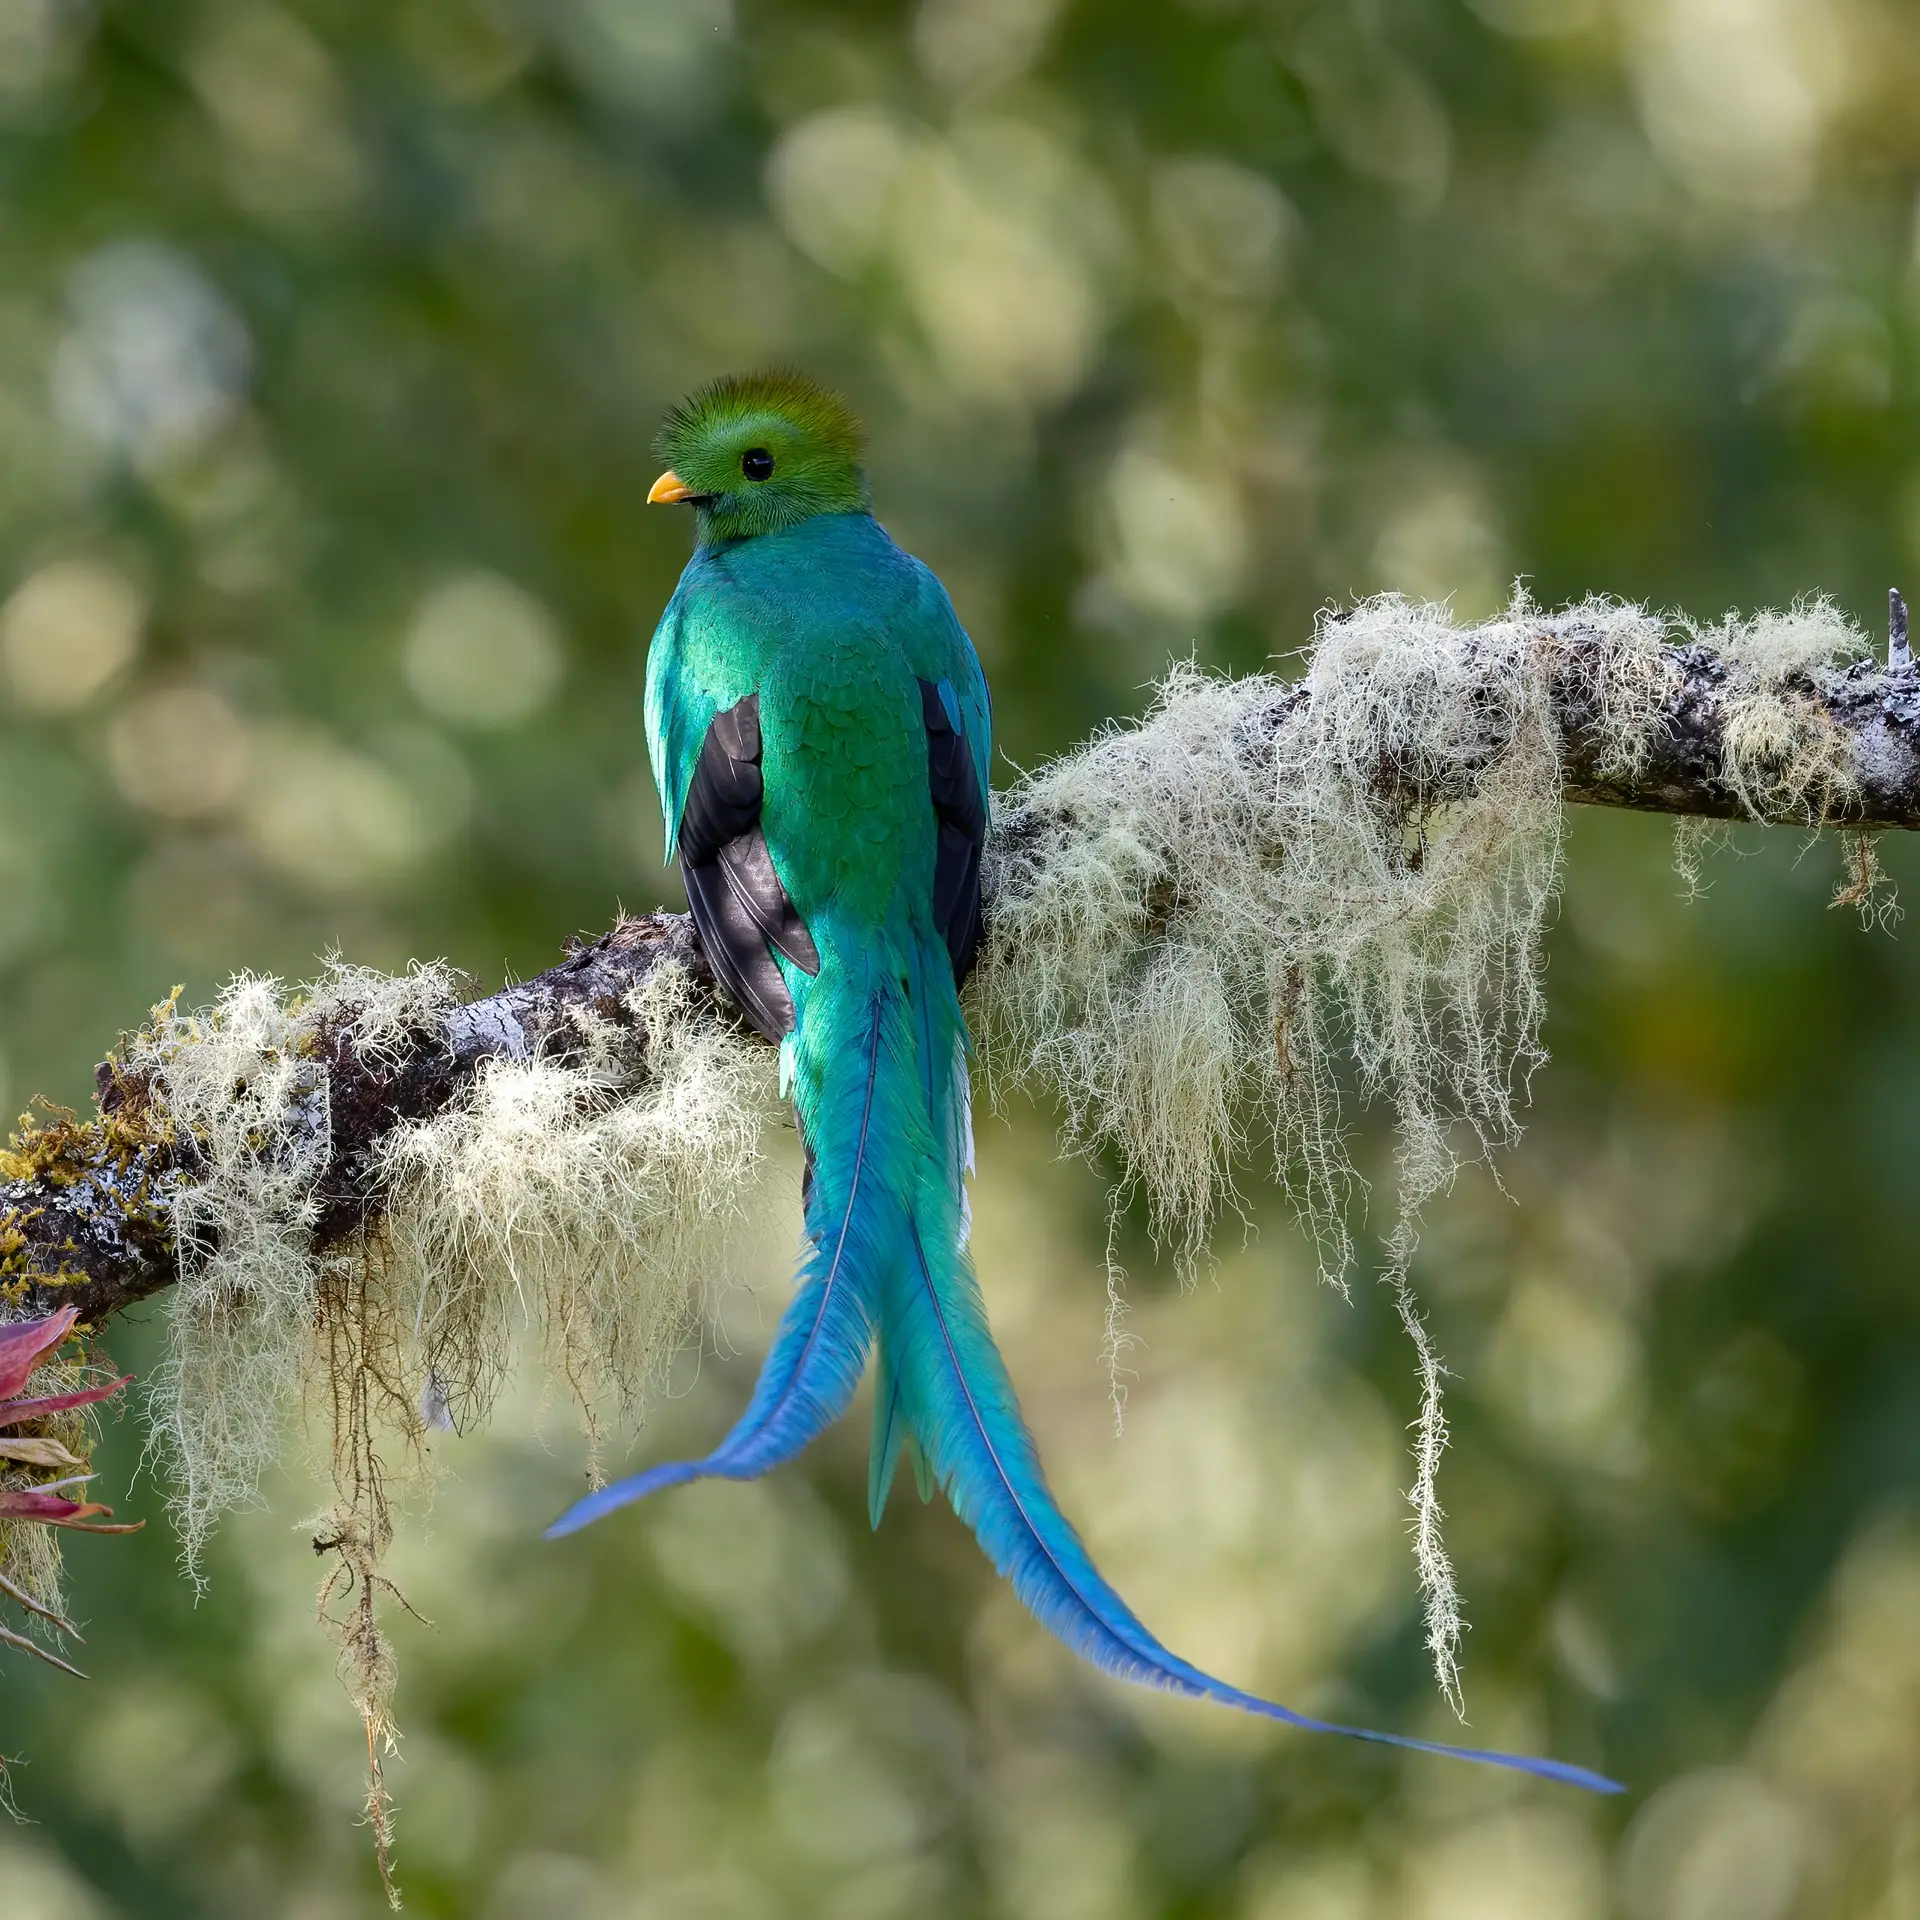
{"x": 23, "y": 1344}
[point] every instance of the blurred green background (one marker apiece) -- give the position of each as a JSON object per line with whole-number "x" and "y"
{"x": 332, "y": 338}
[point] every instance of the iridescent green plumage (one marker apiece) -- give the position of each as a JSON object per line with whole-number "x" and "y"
{"x": 819, "y": 728}
{"x": 809, "y": 434}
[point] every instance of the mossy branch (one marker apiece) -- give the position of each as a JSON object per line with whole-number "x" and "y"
{"x": 86, "y": 1207}
{"x": 1695, "y": 763}
{"x": 1206, "y": 929}
{"x": 86, "y": 1216}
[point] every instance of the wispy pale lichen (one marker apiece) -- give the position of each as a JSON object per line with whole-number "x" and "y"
{"x": 1217, "y": 928}
{"x": 578, "y": 1193}
{"x": 1212, "y": 920}
{"x": 1784, "y": 754}
{"x": 246, "y": 1083}
{"x": 563, "y": 1197}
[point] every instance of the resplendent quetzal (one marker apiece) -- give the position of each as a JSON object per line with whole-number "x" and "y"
{"x": 819, "y": 729}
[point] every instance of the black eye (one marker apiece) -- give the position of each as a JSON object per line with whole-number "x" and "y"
{"x": 757, "y": 464}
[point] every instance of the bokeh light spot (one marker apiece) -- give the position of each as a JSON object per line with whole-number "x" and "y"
{"x": 67, "y": 631}
{"x": 483, "y": 653}
{"x": 1714, "y": 1845}
{"x": 1224, "y": 229}
{"x": 181, "y": 751}
{"x": 154, "y": 358}
{"x": 329, "y": 817}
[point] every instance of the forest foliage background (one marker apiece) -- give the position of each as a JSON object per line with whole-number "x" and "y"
{"x": 332, "y": 339}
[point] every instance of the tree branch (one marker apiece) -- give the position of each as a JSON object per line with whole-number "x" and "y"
{"x": 1685, "y": 768}
{"x": 85, "y": 1224}
{"x": 84, "y": 1217}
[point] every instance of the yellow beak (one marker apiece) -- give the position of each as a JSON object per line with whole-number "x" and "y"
{"x": 669, "y": 490}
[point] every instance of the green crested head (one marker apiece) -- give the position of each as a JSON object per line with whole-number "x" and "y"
{"x": 758, "y": 452}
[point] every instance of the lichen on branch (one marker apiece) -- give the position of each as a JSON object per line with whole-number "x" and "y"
{"x": 1208, "y": 922}
{"x": 1209, "y": 928}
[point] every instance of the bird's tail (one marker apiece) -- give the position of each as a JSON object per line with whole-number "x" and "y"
{"x": 853, "y": 1071}
{"x": 880, "y": 1087}
{"x": 945, "y": 1392}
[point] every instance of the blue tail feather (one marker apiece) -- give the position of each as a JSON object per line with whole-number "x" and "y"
{"x": 820, "y": 1351}
{"x": 963, "y": 1406}
{"x": 889, "y": 1259}
{"x": 941, "y": 1058}
{"x": 892, "y": 1438}
{"x": 889, "y": 1429}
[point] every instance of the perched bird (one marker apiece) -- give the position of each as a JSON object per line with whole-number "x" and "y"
{"x": 819, "y": 729}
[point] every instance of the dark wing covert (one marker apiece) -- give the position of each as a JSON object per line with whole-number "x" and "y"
{"x": 739, "y": 906}
{"x": 960, "y": 814}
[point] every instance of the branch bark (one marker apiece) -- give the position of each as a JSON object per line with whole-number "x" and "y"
{"x": 80, "y": 1229}
{"x": 1685, "y": 768}
{"x": 85, "y": 1223}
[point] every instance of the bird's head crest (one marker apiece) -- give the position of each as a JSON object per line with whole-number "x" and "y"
{"x": 758, "y": 452}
